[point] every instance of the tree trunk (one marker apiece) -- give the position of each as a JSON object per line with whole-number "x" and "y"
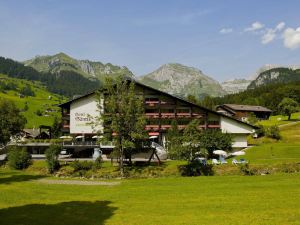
{"x": 121, "y": 162}
{"x": 289, "y": 117}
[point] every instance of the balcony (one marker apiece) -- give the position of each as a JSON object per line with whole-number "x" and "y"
{"x": 152, "y": 115}
{"x": 66, "y": 126}
{"x": 165, "y": 127}
{"x": 167, "y": 115}
{"x": 167, "y": 103}
{"x": 152, "y": 127}
{"x": 151, "y": 103}
{"x": 183, "y": 114}
{"x": 181, "y": 127}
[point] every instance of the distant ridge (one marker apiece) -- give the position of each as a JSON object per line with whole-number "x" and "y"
{"x": 63, "y": 62}
{"x": 181, "y": 80}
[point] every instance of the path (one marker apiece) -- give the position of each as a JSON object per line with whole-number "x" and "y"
{"x": 289, "y": 124}
{"x": 79, "y": 182}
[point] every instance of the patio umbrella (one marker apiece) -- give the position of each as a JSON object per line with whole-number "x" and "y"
{"x": 238, "y": 153}
{"x": 153, "y": 137}
{"x": 220, "y": 152}
{"x": 77, "y": 137}
{"x": 66, "y": 137}
{"x": 96, "y": 137}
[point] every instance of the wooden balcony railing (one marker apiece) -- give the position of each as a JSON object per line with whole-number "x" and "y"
{"x": 184, "y": 114}
{"x": 165, "y": 127}
{"x": 167, "y": 115}
{"x": 153, "y": 115}
{"x": 152, "y": 127}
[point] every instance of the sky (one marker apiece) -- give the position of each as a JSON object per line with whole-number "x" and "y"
{"x": 224, "y": 39}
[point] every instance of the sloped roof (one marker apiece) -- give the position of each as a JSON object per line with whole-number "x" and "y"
{"x": 165, "y": 93}
{"x": 254, "y": 108}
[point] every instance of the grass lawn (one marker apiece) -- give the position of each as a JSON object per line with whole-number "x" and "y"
{"x": 197, "y": 200}
{"x": 280, "y": 120}
{"x": 283, "y": 151}
{"x": 39, "y": 102}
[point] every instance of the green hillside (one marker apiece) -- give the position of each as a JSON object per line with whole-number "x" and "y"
{"x": 41, "y": 104}
{"x": 89, "y": 69}
{"x": 276, "y": 75}
{"x": 287, "y": 150}
{"x": 269, "y": 95}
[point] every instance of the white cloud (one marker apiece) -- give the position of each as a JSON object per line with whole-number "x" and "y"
{"x": 268, "y": 37}
{"x": 270, "y": 34}
{"x": 280, "y": 26}
{"x": 226, "y": 30}
{"x": 255, "y": 26}
{"x": 291, "y": 38}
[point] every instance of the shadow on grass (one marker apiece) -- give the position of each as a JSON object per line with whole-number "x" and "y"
{"x": 18, "y": 178}
{"x": 75, "y": 212}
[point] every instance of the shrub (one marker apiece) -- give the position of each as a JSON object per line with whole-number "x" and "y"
{"x": 260, "y": 131}
{"x": 245, "y": 170}
{"x": 52, "y": 158}
{"x": 82, "y": 165}
{"x": 18, "y": 158}
{"x": 195, "y": 168}
{"x": 98, "y": 163}
{"x": 273, "y": 132}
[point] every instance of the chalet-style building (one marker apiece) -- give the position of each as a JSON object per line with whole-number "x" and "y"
{"x": 242, "y": 112}
{"x": 160, "y": 109}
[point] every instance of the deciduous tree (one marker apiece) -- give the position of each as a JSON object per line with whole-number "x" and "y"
{"x": 11, "y": 121}
{"x": 288, "y": 106}
{"x": 122, "y": 114}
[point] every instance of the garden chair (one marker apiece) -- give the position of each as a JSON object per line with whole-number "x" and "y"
{"x": 235, "y": 162}
{"x": 203, "y": 162}
{"x": 223, "y": 161}
{"x": 215, "y": 162}
{"x": 243, "y": 161}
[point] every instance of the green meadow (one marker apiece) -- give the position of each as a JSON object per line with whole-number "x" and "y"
{"x": 40, "y": 101}
{"x": 195, "y": 200}
{"x": 280, "y": 120}
{"x": 227, "y": 199}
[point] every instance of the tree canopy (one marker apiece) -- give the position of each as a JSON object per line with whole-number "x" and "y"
{"x": 288, "y": 106}
{"x": 11, "y": 121}
{"x": 123, "y": 116}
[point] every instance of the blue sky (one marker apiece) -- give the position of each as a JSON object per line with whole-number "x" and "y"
{"x": 225, "y": 39}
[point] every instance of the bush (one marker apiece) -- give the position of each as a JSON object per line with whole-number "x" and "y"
{"x": 18, "y": 158}
{"x": 52, "y": 158}
{"x": 82, "y": 165}
{"x": 98, "y": 163}
{"x": 245, "y": 170}
{"x": 195, "y": 168}
{"x": 273, "y": 132}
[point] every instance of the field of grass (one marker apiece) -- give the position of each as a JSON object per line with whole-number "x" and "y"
{"x": 196, "y": 200}
{"x": 280, "y": 120}
{"x": 284, "y": 151}
{"x": 40, "y": 102}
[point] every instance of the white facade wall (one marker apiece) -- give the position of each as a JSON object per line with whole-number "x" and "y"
{"x": 83, "y": 114}
{"x": 239, "y": 141}
{"x": 239, "y": 131}
{"x": 234, "y": 127}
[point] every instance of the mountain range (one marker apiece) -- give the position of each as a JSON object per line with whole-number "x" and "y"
{"x": 62, "y": 62}
{"x": 181, "y": 80}
{"x": 68, "y": 76}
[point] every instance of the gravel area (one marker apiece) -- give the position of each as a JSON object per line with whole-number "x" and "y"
{"x": 79, "y": 182}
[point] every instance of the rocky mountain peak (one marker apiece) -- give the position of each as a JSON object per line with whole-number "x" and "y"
{"x": 182, "y": 80}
